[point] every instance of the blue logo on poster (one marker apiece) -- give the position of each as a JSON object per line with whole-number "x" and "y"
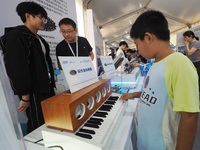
{"x": 71, "y": 62}
{"x": 108, "y": 64}
{"x": 84, "y": 70}
{"x": 65, "y": 62}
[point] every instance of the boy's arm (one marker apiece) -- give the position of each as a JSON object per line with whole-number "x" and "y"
{"x": 187, "y": 131}
{"x": 127, "y": 96}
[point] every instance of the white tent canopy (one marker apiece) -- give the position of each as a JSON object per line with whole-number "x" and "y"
{"x": 115, "y": 17}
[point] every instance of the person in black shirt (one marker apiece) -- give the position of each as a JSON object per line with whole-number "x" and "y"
{"x": 28, "y": 63}
{"x": 72, "y": 45}
{"x": 112, "y": 53}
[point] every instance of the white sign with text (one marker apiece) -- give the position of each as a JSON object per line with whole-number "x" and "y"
{"x": 108, "y": 65}
{"x": 79, "y": 72}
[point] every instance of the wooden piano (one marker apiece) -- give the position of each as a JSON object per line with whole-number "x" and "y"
{"x": 86, "y": 119}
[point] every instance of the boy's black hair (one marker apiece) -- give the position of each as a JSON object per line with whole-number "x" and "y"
{"x": 190, "y": 33}
{"x": 67, "y": 21}
{"x": 31, "y": 8}
{"x": 134, "y": 51}
{"x": 123, "y": 43}
{"x": 129, "y": 51}
{"x": 153, "y": 22}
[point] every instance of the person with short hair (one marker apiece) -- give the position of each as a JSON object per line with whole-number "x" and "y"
{"x": 28, "y": 63}
{"x": 123, "y": 45}
{"x": 72, "y": 45}
{"x": 167, "y": 111}
{"x": 113, "y": 53}
{"x": 129, "y": 54}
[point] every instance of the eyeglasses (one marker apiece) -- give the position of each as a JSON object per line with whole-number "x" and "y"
{"x": 67, "y": 31}
{"x": 44, "y": 20}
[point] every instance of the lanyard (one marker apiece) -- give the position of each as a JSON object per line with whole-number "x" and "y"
{"x": 72, "y": 49}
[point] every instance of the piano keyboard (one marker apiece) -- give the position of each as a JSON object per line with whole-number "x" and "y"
{"x": 95, "y": 134}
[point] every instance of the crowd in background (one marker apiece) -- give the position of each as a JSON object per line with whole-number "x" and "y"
{"x": 131, "y": 57}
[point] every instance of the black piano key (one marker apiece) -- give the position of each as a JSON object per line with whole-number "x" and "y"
{"x": 113, "y": 98}
{"x": 110, "y": 102}
{"x": 94, "y": 122}
{"x": 87, "y": 131}
{"x": 91, "y": 125}
{"x": 100, "y": 114}
{"x": 84, "y": 135}
{"x": 97, "y": 119}
{"x": 105, "y": 108}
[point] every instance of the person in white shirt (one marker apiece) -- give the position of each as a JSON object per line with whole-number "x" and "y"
{"x": 121, "y": 51}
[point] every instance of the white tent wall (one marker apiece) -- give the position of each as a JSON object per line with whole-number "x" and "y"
{"x": 9, "y": 128}
{"x": 94, "y": 37}
{"x": 80, "y": 17}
